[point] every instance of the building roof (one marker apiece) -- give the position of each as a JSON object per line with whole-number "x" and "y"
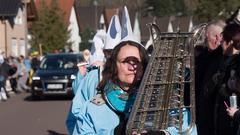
{"x": 9, "y": 7}
{"x": 88, "y": 16}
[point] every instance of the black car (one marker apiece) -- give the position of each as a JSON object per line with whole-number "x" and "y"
{"x": 55, "y": 74}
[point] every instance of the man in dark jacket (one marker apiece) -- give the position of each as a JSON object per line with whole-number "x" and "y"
{"x": 229, "y": 84}
{"x": 208, "y": 58}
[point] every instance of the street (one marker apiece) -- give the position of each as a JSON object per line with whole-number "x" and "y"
{"x": 20, "y": 115}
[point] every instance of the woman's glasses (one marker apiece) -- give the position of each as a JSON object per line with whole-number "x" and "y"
{"x": 131, "y": 60}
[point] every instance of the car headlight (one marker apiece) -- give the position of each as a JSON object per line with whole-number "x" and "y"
{"x": 73, "y": 77}
{"x": 36, "y": 78}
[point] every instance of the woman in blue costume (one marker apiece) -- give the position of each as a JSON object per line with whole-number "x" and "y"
{"x": 107, "y": 113}
{"x": 86, "y": 86}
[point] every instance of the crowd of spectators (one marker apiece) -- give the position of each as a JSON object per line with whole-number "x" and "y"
{"x": 17, "y": 72}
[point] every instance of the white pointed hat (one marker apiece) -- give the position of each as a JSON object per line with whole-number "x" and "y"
{"x": 136, "y": 29}
{"x": 126, "y": 24}
{"x": 113, "y": 34}
{"x": 127, "y": 33}
{"x": 102, "y": 22}
{"x": 98, "y": 41}
{"x": 97, "y": 47}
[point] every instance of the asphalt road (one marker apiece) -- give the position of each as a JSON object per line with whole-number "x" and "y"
{"x": 20, "y": 115}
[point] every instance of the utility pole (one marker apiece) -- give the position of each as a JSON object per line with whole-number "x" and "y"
{"x": 95, "y": 3}
{"x": 26, "y": 29}
{"x": 40, "y": 49}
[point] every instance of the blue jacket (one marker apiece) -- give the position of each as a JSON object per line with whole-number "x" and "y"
{"x": 84, "y": 88}
{"x": 71, "y": 120}
{"x": 101, "y": 120}
{"x": 76, "y": 82}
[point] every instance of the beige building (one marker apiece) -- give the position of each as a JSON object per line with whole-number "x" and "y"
{"x": 13, "y": 27}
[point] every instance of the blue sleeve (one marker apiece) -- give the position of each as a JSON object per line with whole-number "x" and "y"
{"x": 86, "y": 90}
{"x": 78, "y": 99}
{"x": 71, "y": 121}
{"x": 76, "y": 82}
{"x": 91, "y": 82}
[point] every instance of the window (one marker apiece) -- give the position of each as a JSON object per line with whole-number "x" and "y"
{"x": 22, "y": 47}
{"x": 14, "y": 47}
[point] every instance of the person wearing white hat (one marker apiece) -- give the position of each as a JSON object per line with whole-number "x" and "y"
{"x": 106, "y": 113}
{"x": 96, "y": 115}
{"x": 97, "y": 56}
{"x": 103, "y": 46}
{"x": 86, "y": 87}
{"x": 95, "y": 59}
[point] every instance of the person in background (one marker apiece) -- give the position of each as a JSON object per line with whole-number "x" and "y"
{"x": 208, "y": 57}
{"x": 225, "y": 81}
{"x": 21, "y": 75}
{"x": 27, "y": 63}
{"x": 13, "y": 78}
{"x": 35, "y": 63}
{"x": 234, "y": 113}
{"x": 86, "y": 54}
{"x": 4, "y": 69}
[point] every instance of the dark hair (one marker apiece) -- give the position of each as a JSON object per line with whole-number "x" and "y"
{"x": 231, "y": 33}
{"x": 110, "y": 69}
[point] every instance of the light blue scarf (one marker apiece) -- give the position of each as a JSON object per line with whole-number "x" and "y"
{"x": 117, "y": 98}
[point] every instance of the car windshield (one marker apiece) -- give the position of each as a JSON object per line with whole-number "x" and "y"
{"x": 59, "y": 62}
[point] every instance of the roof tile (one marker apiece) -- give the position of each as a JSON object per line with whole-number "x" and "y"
{"x": 9, "y": 7}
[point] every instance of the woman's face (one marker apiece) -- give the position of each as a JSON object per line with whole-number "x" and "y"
{"x": 128, "y": 64}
